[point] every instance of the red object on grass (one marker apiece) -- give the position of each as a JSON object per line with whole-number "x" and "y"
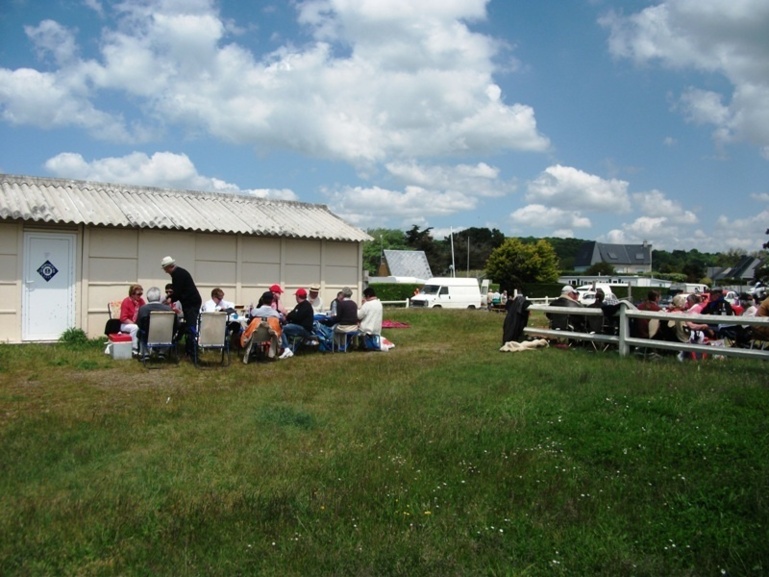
{"x": 119, "y": 338}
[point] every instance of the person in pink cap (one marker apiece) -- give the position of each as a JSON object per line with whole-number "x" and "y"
{"x": 276, "y": 303}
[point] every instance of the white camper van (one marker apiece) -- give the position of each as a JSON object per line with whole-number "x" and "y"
{"x": 450, "y": 293}
{"x": 587, "y": 292}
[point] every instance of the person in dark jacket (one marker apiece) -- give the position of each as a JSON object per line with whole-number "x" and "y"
{"x": 299, "y": 322}
{"x": 564, "y": 322}
{"x": 516, "y": 319}
{"x": 186, "y": 293}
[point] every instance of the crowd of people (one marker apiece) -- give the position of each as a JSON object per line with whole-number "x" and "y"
{"x": 307, "y": 323}
{"x": 691, "y": 329}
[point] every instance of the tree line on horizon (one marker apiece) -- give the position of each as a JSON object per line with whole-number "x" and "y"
{"x": 528, "y": 259}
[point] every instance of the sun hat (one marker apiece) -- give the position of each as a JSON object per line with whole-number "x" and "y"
{"x": 314, "y": 288}
{"x": 167, "y": 261}
{"x": 301, "y": 293}
{"x": 276, "y": 288}
{"x": 567, "y": 290}
{"x": 679, "y": 301}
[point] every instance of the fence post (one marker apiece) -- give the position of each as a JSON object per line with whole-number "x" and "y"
{"x": 624, "y": 331}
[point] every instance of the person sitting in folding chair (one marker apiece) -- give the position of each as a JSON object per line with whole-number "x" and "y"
{"x": 346, "y": 320}
{"x": 254, "y": 339}
{"x": 154, "y": 303}
{"x": 560, "y": 321}
{"x": 299, "y": 325}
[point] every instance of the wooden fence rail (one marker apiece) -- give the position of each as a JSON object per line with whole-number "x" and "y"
{"x": 624, "y": 342}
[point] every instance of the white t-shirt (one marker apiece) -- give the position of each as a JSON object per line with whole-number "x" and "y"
{"x": 370, "y": 315}
{"x": 210, "y": 306}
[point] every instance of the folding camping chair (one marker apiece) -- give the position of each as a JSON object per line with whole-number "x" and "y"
{"x": 211, "y": 334}
{"x": 343, "y": 339}
{"x": 263, "y": 341}
{"x": 159, "y": 339}
{"x": 113, "y": 323}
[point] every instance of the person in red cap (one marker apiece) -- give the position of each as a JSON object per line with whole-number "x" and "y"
{"x": 276, "y": 304}
{"x": 299, "y": 323}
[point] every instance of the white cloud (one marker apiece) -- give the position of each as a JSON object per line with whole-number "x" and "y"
{"x": 746, "y": 233}
{"x": 162, "y": 169}
{"x": 480, "y": 179}
{"x": 376, "y": 84}
{"x": 428, "y": 191}
{"x": 571, "y": 188}
{"x": 724, "y": 37}
{"x": 52, "y": 39}
{"x": 655, "y": 204}
{"x": 368, "y": 207}
{"x": 94, "y": 5}
{"x": 540, "y": 216}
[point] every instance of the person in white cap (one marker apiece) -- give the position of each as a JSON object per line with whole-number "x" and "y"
{"x": 569, "y": 298}
{"x": 315, "y": 300}
{"x": 187, "y": 294}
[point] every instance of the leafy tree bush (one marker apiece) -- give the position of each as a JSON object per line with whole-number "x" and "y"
{"x": 386, "y": 291}
{"x": 603, "y": 268}
{"x": 516, "y": 263}
{"x": 73, "y": 336}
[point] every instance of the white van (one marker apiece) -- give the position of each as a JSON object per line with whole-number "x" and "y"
{"x": 450, "y": 293}
{"x": 587, "y": 292}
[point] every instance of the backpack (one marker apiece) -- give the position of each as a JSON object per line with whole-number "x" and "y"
{"x": 325, "y": 336}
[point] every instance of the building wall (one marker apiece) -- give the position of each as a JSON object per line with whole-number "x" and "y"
{"x": 244, "y": 267}
{"x": 10, "y": 281}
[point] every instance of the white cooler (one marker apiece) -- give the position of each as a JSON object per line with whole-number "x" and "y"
{"x": 121, "y": 346}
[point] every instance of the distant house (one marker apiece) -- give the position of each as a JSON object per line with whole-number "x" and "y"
{"x": 68, "y": 247}
{"x": 625, "y": 258}
{"x": 403, "y": 265}
{"x": 744, "y": 270}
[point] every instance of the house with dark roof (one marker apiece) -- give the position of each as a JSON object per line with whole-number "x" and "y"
{"x": 625, "y": 258}
{"x": 69, "y": 247}
{"x": 744, "y": 270}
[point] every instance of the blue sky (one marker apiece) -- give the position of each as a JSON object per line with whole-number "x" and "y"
{"x": 617, "y": 121}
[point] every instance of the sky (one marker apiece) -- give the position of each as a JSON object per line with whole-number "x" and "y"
{"x": 619, "y": 121}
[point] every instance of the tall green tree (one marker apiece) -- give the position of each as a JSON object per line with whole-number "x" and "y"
{"x": 472, "y": 246}
{"x": 602, "y": 268}
{"x": 516, "y": 263}
{"x": 438, "y": 256}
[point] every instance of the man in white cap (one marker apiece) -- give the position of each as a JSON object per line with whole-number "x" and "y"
{"x": 569, "y": 298}
{"x": 187, "y": 294}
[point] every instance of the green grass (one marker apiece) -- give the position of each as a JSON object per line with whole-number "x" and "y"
{"x": 441, "y": 457}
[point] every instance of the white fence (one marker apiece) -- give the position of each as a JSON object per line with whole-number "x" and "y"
{"x": 623, "y": 341}
{"x": 396, "y": 303}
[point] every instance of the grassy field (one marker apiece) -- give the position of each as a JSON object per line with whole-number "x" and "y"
{"x": 441, "y": 457}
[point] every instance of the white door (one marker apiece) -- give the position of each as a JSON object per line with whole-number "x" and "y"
{"x": 48, "y": 299}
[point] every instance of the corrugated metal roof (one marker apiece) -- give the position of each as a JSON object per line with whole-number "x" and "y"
{"x": 411, "y": 263}
{"x": 60, "y": 201}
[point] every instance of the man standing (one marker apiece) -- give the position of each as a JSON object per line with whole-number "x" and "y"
{"x": 188, "y": 296}
{"x": 299, "y": 322}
